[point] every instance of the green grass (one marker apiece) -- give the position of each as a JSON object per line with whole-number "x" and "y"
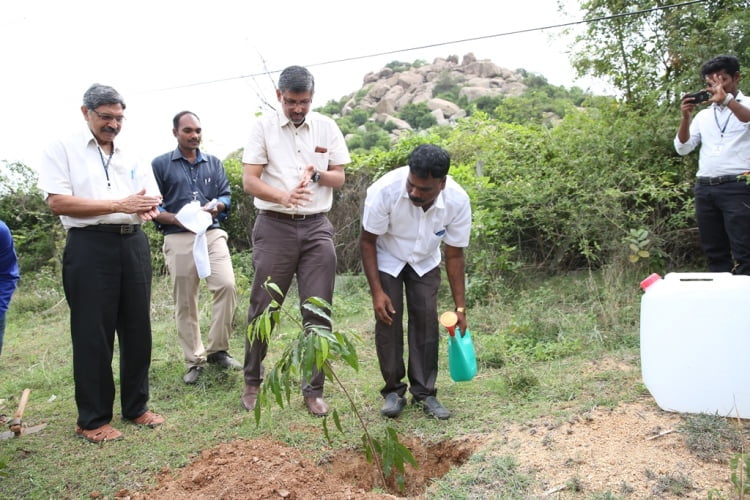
{"x": 570, "y": 317}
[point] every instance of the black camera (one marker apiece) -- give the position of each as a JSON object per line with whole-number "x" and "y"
{"x": 701, "y": 96}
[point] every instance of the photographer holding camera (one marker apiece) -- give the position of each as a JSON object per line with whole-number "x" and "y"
{"x": 722, "y": 194}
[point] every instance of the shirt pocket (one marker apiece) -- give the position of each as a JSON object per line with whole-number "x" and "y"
{"x": 320, "y": 160}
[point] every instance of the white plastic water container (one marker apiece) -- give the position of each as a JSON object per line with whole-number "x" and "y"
{"x": 695, "y": 342}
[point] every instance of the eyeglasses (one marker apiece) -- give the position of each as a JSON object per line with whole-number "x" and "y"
{"x": 293, "y": 104}
{"x": 107, "y": 117}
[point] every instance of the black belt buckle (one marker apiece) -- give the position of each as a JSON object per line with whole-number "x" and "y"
{"x": 127, "y": 228}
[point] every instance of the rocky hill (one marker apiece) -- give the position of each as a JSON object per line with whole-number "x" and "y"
{"x": 386, "y": 92}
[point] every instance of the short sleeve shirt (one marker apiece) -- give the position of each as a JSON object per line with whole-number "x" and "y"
{"x": 285, "y": 150}
{"x": 406, "y": 233}
{"x": 75, "y": 166}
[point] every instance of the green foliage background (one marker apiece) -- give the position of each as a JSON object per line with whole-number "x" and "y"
{"x": 559, "y": 179}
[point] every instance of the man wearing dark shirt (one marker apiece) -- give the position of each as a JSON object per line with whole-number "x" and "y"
{"x": 189, "y": 179}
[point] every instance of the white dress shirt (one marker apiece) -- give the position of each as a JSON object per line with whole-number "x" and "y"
{"x": 285, "y": 151}
{"x": 75, "y": 166}
{"x": 406, "y": 233}
{"x": 724, "y": 141}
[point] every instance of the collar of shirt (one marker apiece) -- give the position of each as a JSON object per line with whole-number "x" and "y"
{"x": 177, "y": 155}
{"x": 286, "y": 122}
{"x": 438, "y": 204}
{"x": 87, "y": 138}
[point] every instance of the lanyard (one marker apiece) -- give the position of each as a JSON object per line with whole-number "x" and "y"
{"x": 106, "y": 164}
{"x": 193, "y": 179}
{"x": 716, "y": 119}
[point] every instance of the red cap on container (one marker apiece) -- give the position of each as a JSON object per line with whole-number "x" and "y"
{"x": 653, "y": 278}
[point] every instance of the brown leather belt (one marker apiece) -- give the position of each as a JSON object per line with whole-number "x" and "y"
{"x": 283, "y": 216}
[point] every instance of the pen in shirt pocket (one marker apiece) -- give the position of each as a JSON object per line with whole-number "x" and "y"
{"x": 440, "y": 233}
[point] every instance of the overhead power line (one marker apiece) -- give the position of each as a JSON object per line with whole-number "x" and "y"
{"x": 440, "y": 44}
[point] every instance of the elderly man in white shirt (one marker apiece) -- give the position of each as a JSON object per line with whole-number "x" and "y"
{"x": 103, "y": 193}
{"x": 408, "y": 214}
{"x": 722, "y": 195}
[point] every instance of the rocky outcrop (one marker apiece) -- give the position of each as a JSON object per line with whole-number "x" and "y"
{"x": 387, "y": 92}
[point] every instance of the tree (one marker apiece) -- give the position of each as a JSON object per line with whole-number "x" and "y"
{"x": 651, "y": 51}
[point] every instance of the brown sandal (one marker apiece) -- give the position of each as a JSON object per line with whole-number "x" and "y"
{"x": 104, "y": 433}
{"x": 149, "y": 419}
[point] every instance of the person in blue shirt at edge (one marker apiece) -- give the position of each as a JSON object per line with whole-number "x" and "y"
{"x": 8, "y": 275}
{"x": 408, "y": 213}
{"x": 722, "y": 195}
{"x": 187, "y": 175}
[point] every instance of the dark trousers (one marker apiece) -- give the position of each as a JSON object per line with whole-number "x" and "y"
{"x": 107, "y": 282}
{"x": 281, "y": 250}
{"x": 723, "y": 214}
{"x": 422, "y": 333}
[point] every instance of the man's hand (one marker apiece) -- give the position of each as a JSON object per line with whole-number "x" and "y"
{"x": 688, "y": 105}
{"x": 214, "y": 207}
{"x": 297, "y": 197}
{"x": 383, "y": 307}
{"x": 462, "y": 324}
{"x": 146, "y": 207}
{"x": 307, "y": 174}
{"x": 716, "y": 82}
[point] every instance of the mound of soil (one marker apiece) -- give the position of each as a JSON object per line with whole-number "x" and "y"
{"x": 262, "y": 468}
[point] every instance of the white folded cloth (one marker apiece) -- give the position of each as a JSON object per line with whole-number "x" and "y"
{"x": 197, "y": 220}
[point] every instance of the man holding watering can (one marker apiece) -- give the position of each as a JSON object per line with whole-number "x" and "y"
{"x": 408, "y": 213}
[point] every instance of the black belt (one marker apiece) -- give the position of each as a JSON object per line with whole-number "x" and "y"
{"x": 112, "y": 228}
{"x": 714, "y": 181}
{"x": 280, "y": 215}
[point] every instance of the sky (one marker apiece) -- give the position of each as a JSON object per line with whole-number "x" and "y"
{"x": 219, "y": 59}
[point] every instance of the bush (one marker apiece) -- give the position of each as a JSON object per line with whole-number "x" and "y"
{"x": 417, "y": 115}
{"x": 37, "y": 233}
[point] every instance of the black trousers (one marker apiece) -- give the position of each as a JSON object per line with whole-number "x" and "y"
{"x": 723, "y": 214}
{"x": 107, "y": 282}
{"x": 422, "y": 333}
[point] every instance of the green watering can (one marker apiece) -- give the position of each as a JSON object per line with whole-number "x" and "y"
{"x": 462, "y": 361}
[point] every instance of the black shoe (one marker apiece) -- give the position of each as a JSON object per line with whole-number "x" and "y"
{"x": 224, "y": 360}
{"x": 433, "y": 408}
{"x": 393, "y": 405}
{"x": 192, "y": 375}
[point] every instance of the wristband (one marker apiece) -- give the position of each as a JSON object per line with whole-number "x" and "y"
{"x": 727, "y": 100}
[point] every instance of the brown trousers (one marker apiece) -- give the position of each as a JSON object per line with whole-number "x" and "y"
{"x": 284, "y": 248}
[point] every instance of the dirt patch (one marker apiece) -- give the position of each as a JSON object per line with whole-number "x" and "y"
{"x": 633, "y": 451}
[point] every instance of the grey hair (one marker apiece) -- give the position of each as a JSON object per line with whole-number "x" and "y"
{"x": 98, "y": 95}
{"x": 296, "y": 79}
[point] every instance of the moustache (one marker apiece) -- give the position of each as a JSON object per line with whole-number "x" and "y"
{"x": 110, "y": 129}
{"x": 414, "y": 199}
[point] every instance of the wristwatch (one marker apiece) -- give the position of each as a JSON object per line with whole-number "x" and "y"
{"x": 461, "y": 310}
{"x": 315, "y": 177}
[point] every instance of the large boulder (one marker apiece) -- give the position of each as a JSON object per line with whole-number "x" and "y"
{"x": 447, "y": 108}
